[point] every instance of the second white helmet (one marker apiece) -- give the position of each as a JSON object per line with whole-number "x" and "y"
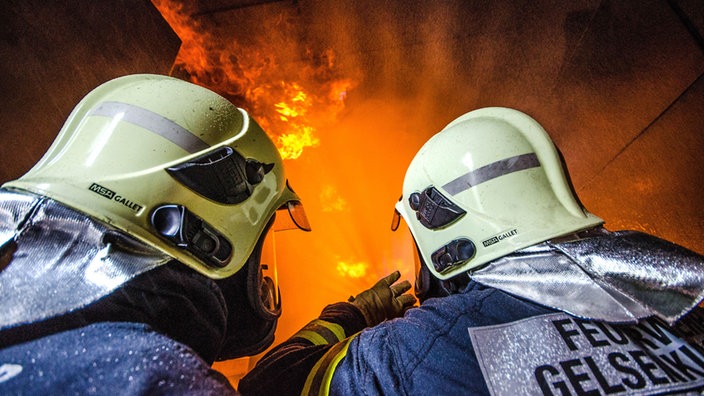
{"x": 490, "y": 183}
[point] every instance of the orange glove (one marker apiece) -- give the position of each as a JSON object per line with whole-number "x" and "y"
{"x": 384, "y": 301}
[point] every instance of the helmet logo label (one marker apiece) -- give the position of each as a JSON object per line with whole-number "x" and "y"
{"x": 111, "y": 195}
{"x": 499, "y": 238}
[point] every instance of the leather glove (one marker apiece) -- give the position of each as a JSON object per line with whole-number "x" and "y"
{"x": 384, "y": 300}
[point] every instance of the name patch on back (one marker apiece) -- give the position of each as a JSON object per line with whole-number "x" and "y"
{"x": 557, "y": 354}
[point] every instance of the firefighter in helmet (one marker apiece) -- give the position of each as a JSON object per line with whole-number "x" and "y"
{"x": 522, "y": 290}
{"x": 131, "y": 252}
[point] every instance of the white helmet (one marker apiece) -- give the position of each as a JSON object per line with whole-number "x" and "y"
{"x": 490, "y": 183}
{"x": 172, "y": 164}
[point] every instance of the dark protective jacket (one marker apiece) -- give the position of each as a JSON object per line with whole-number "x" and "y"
{"x": 157, "y": 334}
{"x": 63, "y": 275}
{"x": 478, "y": 341}
{"x": 109, "y": 358}
{"x": 647, "y": 338}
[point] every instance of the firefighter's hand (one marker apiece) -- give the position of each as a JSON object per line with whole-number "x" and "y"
{"x": 384, "y": 300}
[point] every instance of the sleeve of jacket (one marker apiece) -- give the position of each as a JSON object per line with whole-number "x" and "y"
{"x": 285, "y": 369}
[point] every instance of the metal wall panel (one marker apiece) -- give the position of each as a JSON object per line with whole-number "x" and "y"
{"x": 53, "y": 52}
{"x": 655, "y": 183}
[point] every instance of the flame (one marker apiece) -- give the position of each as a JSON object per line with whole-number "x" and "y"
{"x": 352, "y": 270}
{"x": 291, "y": 102}
{"x": 299, "y": 103}
{"x": 294, "y": 112}
{"x": 291, "y": 145}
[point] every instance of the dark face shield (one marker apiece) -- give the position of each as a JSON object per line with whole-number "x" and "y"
{"x": 252, "y": 294}
{"x": 253, "y": 302}
{"x": 264, "y": 283}
{"x": 294, "y": 218}
{"x": 423, "y": 277}
{"x": 288, "y": 217}
{"x": 396, "y": 219}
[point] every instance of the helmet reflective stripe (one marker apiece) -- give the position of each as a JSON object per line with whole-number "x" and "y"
{"x": 321, "y": 332}
{"x": 491, "y": 171}
{"x": 152, "y": 122}
{"x": 320, "y": 376}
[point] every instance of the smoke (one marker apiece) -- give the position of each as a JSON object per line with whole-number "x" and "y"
{"x": 242, "y": 60}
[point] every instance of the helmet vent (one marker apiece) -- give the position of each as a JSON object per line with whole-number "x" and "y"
{"x": 222, "y": 175}
{"x": 433, "y": 210}
{"x": 184, "y": 229}
{"x": 454, "y": 253}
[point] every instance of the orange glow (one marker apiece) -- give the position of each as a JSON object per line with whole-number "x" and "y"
{"x": 352, "y": 270}
{"x": 331, "y": 200}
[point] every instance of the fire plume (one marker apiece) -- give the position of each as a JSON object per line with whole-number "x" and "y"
{"x": 291, "y": 99}
{"x": 294, "y": 112}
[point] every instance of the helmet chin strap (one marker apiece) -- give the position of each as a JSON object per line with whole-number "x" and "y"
{"x": 428, "y": 286}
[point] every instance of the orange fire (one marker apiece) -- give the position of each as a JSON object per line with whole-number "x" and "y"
{"x": 291, "y": 105}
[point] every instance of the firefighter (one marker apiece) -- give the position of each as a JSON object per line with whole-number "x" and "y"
{"x": 130, "y": 253}
{"x": 522, "y": 290}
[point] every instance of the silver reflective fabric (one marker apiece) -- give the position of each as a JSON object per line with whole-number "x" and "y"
{"x": 60, "y": 262}
{"x": 617, "y": 277}
{"x": 557, "y": 354}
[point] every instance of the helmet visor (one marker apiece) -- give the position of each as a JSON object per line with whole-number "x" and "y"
{"x": 268, "y": 281}
{"x": 294, "y": 218}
